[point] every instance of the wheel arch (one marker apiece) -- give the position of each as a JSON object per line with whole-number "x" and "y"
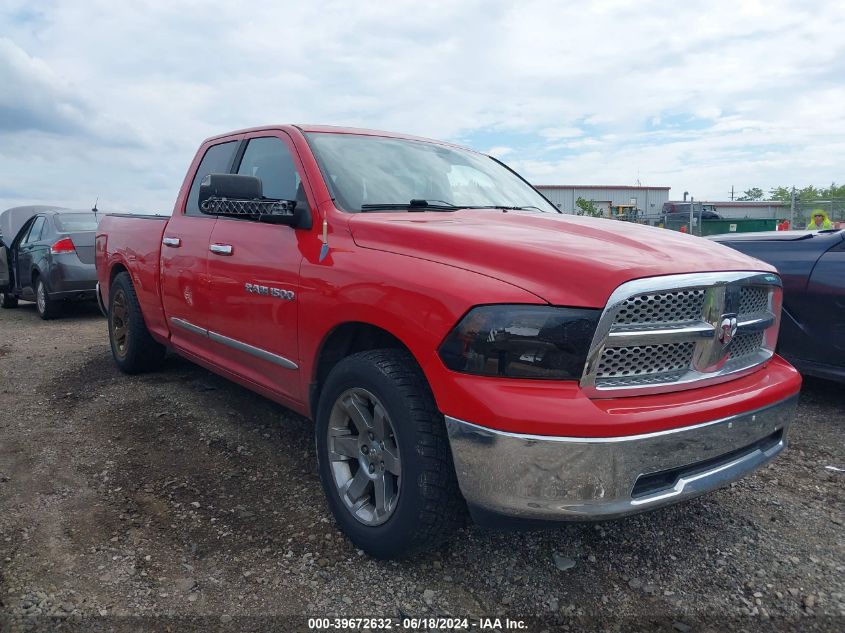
{"x": 145, "y": 285}
{"x": 116, "y": 269}
{"x": 34, "y": 274}
{"x": 343, "y": 340}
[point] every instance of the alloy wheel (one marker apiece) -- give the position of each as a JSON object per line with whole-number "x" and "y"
{"x": 365, "y": 462}
{"x": 119, "y": 314}
{"x": 41, "y": 297}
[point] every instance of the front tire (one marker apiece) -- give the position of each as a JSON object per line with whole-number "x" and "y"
{"x": 47, "y": 308}
{"x": 8, "y": 300}
{"x": 384, "y": 457}
{"x": 133, "y": 348}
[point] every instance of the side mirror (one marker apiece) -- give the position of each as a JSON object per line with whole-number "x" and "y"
{"x": 233, "y": 195}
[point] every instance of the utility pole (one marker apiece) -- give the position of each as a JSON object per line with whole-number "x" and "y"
{"x": 732, "y": 193}
{"x": 792, "y": 209}
{"x": 690, "y": 213}
{"x": 701, "y": 218}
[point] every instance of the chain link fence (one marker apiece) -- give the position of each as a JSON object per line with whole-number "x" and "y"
{"x": 834, "y": 207}
{"x": 714, "y": 218}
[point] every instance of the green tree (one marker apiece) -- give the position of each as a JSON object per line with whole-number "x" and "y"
{"x": 809, "y": 193}
{"x": 783, "y": 194}
{"x": 755, "y": 193}
{"x": 588, "y": 208}
{"x": 834, "y": 191}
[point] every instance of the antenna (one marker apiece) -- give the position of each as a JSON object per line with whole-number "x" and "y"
{"x": 324, "y": 251}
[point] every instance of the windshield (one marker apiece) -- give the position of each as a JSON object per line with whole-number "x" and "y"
{"x": 376, "y": 173}
{"x": 72, "y": 222}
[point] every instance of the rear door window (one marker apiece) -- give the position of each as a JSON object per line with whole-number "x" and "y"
{"x": 217, "y": 160}
{"x": 35, "y": 230}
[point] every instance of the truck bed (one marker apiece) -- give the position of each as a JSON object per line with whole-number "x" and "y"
{"x": 134, "y": 239}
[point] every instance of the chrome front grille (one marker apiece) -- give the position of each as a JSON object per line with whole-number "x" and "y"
{"x": 662, "y": 307}
{"x": 753, "y": 299}
{"x": 746, "y": 344}
{"x": 641, "y": 360}
{"x": 683, "y": 331}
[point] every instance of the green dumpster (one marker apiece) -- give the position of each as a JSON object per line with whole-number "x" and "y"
{"x": 717, "y": 227}
{"x": 743, "y": 225}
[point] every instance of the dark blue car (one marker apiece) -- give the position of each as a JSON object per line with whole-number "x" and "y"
{"x": 47, "y": 256}
{"x": 812, "y": 265}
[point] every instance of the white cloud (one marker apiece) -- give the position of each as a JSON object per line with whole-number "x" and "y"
{"x": 112, "y": 99}
{"x": 555, "y": 133}
{"x": 499, "y": 151}
{"x": 34, "y": 97}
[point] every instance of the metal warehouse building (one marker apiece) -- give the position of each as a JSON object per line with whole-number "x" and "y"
{"x": 647, "y": 200}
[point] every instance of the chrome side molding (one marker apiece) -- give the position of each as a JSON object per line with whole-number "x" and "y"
{"x": 186, "y": 325}
{"x": 251, "y": 349}
{"x": 263, "y": 354}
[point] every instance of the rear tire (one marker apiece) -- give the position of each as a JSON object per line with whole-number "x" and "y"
{"x": 133, "y": 348}
{"x": 47, "y": 308}
{"x": 8, "y": 301}
{"x": 407, "y": 454}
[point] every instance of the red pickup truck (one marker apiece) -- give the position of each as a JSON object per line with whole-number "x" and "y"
{"x": 458, "y": 342}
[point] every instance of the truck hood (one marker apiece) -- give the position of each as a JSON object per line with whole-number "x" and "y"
{"x": 563, "y": 259}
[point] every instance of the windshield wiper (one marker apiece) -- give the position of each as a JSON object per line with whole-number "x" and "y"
{"x": 416, "y": 204}
{"x": 503, "y": 207}
{"x": 419, "y": 204}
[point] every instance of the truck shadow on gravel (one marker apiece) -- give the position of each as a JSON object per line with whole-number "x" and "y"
{"x": 188, "y": 448}
{"x": 821, "y": 391}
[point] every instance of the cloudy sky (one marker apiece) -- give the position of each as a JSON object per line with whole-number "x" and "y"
{"x": 110, "y": 99}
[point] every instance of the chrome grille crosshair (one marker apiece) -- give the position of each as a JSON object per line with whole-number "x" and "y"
{"x": 682, "y": 331}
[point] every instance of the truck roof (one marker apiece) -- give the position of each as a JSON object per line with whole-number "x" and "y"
{"x": 333, "y": 129}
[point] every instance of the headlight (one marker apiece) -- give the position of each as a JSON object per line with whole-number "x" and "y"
{"x": 521, "y": 341}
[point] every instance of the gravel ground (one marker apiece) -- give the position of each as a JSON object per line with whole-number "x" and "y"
{"x": 179, "y": 501}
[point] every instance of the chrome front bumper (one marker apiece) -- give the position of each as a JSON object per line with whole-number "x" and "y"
{"x": 572, "y": 478}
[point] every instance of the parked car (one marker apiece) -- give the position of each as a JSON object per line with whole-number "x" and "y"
{"x": 812, "y": 265}
{"x": 49, "y": 257}
{"x": 458, "y": 342}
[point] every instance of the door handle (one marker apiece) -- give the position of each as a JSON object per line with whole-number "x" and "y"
{"x": 221, "y": 249}
{"x": 172, "y": 242}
